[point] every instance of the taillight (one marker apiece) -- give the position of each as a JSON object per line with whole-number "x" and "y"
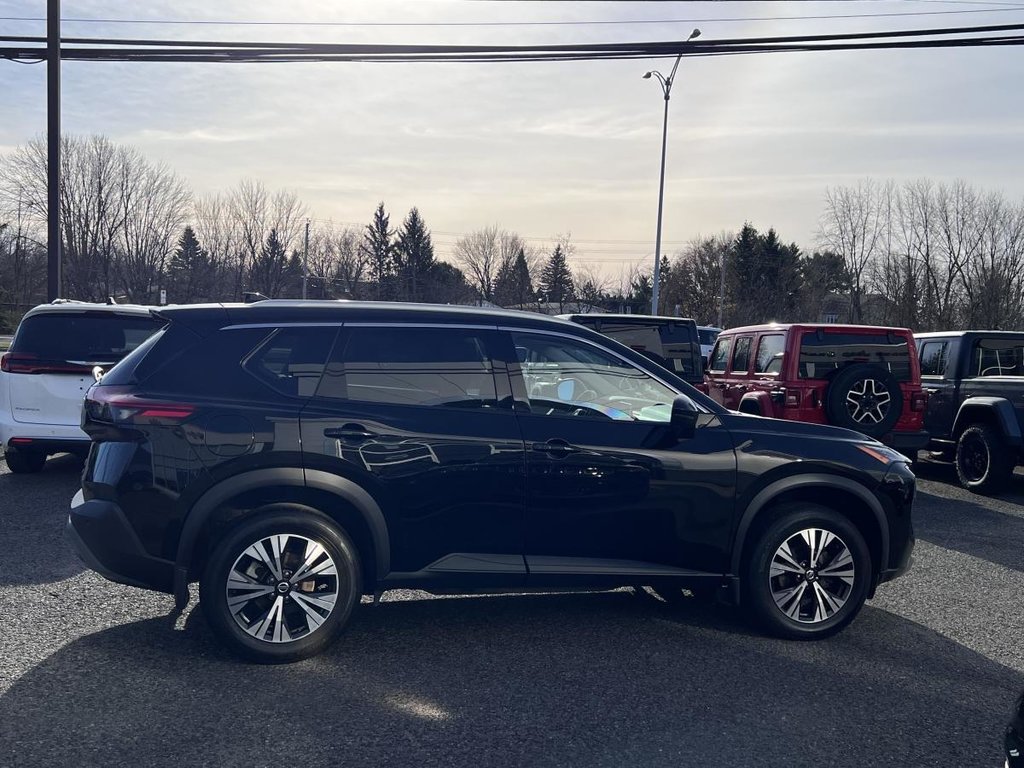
{"x": 918, "y": 401}
{"x": 31, "y": 364}
{"x": 792, "y": 398}
{"x": 117, "y": 405}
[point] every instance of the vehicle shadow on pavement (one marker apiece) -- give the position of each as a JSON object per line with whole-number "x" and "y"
{"x": 568, "y": 679}
{"x": 33, "y": 513}
{"x": 971, "y": 524}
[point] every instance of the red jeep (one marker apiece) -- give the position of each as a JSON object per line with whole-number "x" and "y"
{"x": 865, "y": 378}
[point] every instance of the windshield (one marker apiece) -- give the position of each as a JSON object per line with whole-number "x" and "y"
{"x": 87, "y": 337}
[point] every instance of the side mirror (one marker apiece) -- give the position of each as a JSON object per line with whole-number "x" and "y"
{"x": 684, "y": 417}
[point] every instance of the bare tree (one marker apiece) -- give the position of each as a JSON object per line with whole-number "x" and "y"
{"x": 352, "y": 263}
{"x": 591, "y": 287}
{"x": 219, "y": 233}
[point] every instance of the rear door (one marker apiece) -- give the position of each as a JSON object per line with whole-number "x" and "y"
{"x": 938, "y": 377}
{"x": 51, "y": 359}
{"x": 415, "y": 415}
{"x": 769, "y": 357}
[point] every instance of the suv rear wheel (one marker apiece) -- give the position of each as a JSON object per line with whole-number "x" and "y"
{"x": 24, "y": 462}
{"x": 866, "y": 398}
{"x": 281, "y": 586}
{"x": 983, "y": 462}
{"x": 808, "y": 573}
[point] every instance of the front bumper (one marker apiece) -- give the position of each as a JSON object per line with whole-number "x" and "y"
{"x": 102, "y": 537}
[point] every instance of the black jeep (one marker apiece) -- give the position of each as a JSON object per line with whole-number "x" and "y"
{"x": 975, "y": 384}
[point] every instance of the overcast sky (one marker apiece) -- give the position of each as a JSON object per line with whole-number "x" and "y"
{"x": 547, "y": 148}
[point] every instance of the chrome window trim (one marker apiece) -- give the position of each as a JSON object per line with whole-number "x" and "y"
{"x": 626, "y": 360}
{"x": 281, "y": 325}
{"x": 385, "y": 324}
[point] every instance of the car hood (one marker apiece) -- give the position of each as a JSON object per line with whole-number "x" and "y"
{"x": 744, "y": 422}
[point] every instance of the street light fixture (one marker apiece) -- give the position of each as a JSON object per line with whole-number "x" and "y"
{"x": 666, "y": 89}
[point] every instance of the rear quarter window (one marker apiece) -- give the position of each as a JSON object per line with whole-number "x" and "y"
{"x": 821, "y": 353}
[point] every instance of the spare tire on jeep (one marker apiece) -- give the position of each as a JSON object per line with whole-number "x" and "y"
{"x": 864, "y": 397}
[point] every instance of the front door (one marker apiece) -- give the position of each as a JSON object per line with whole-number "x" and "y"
{"x": 610, "y": 489}
{"x": 416, "y": 416}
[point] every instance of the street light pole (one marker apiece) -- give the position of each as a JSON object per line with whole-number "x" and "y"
{"x": 53, "y": 254}
{"x": 666, "y": 89}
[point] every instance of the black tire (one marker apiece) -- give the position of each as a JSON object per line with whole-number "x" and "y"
{"x": 233, "y": 549}
{"x": 984, "y": 463}
{"x": 24, "y": 462}
{"x": 866, "y": 398}
{"x": 811, "y": 619}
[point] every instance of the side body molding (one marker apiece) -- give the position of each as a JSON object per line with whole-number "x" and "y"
{"x": 823, "y": 481}
{"x": 277, "y": 477}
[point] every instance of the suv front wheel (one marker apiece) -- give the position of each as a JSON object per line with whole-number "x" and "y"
{"x": 281, "y": 586}
{"x": 808, "y": 573}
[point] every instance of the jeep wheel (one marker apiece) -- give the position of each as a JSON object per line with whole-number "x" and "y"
{"x": 808, "y": 573}
{"x": 866, "y": 398}
{"x": 280, "y": 587}
{"x": 24, "y": 462}
{"x": 984, "y": 464}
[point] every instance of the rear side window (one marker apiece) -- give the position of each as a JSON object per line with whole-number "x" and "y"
{"x": 933, "y": 358}
{"x": 292, "y": 360}
{"x": 998, "y": 357}
{"x": 720, "y": 355}
{"x": 86, "y": 337}
{"x": 439, "y": 367}
{"x": 822, "y": 353}
{"x": 741, "y": 357}
{"x": 211, "y": 367}
{"x": 770, "y": 350}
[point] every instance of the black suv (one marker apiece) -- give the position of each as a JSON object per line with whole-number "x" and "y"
{"x": 293, "y": 456}
{"x": 975, "y": 413}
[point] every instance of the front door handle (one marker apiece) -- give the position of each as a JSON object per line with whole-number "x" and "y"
{"x": 555, "y": 447}
{"x": 349, "y": 432}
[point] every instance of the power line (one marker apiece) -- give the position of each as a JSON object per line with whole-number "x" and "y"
{"x": 1004, "y": 8}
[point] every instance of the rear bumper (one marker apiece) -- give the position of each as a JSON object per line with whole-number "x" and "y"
{"x": 908, "y": 441}
{"x": 102, "y": 537}
{"x": 48, "y": 438}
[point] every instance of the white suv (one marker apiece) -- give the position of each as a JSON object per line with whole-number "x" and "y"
{"x": 49, "y": 367}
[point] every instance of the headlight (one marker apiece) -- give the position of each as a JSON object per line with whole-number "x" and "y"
{"x": 882, "y": 453}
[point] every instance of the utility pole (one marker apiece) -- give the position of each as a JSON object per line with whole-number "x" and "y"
{"x": 53, "y": 254}
{"x": 721, "y": 284}
{"x": 305, "y": 261}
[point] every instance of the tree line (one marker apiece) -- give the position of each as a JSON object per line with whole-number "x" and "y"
{"x": 923, "y": 255}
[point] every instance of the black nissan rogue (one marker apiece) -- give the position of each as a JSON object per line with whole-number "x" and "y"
{"x": 293, "y": 456}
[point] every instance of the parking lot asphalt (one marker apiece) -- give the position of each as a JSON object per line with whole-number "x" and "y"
{"x": 93, "y": 673}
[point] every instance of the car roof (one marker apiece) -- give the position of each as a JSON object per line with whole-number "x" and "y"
{"x": 306, "y": 310}
{"x": 627, "y": 319}
{"x": 950, "y": 334}
{"x": 70, "y": 307}
{"x": 828, "y": 327}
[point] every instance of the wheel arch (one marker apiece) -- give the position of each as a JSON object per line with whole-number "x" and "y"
{"x": 996, "y": 411}
{"x": 846, "y": 496}
{"x": 236, "y": 498}
{"x": 756, "y": 404}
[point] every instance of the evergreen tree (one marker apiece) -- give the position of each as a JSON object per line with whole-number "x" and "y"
{"x": 556, "y": 279}
{"x": 513, "y": 285}
{"x": 271, "y": 267}
{"x": 189, "y": 271}
{"x": 445, "y": 283}
{"x": 380, "y": 254}
{"x": 414, "y": 257}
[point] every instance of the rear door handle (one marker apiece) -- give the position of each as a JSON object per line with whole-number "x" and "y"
{"x": 349, "y": 432}
{"x": 932, "y": 390}
{"x": 555, "y": 447}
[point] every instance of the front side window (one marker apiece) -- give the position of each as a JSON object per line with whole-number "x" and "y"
{"x": 400, "y": 365}
{"x": 998, "y": 357}
{"x": 720, "y": 355}
{"x": 564, "y": 377}
{"x": 933, "y": 358}
{"x": 770, "y": 351}
{"x": 741, "y": 356}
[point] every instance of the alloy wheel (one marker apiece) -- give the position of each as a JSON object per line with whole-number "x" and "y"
{"x": 282, "y": 588}
{"x": 974, "y": 458}
{"x": 868, "y": 401}
{"x": 811, "y": 575}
